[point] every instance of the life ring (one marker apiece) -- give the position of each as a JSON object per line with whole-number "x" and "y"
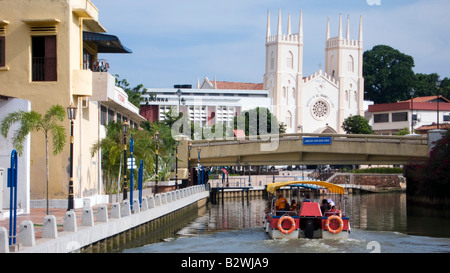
{"x": 341, "y": 224}
{"x": 280, "y": 222}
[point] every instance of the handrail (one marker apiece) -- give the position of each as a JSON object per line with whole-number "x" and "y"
{"x": 299, "y": 136}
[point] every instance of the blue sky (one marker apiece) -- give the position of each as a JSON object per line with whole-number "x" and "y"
{"x": 177, "y": 41}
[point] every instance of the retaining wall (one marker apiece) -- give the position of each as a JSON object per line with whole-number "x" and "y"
{"x": 118, "y": 219}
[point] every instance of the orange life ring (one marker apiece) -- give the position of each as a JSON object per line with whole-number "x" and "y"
{"x": 341, "y": 224}
{"x": 280, "y": 222}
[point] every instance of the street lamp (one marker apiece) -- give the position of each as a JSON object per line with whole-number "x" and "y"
{"x": 125, "y": 186}
{"x": 189, "y": 163}
{"x": 200, "y": 174}
{"x": 412, "y": 92}
{"x": 176, "y": 164}
{"x": 438, "y": 85}
{"x": 179, "y": 99}
{"x": 156, "y": 154}
{"x": 71, "y": 114}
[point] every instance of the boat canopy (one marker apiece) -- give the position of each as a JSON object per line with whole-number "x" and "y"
{"x": 272, "y": 187}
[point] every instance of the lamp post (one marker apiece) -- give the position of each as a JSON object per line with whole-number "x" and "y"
{"x": 179, "y": 99}
{"x": 125, "y": 185}
{"x": 156, "y": 154}
{"x": 71, "y": 114}
{"x": 438, "y": 85}
{"x": 189, "y": 163}
{"x": 411, "y": 92}
{"x": 176, "y": 164}
{"x": 200, "y": 175}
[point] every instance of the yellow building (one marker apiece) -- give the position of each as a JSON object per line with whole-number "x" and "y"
{"x": 49, "y": 55}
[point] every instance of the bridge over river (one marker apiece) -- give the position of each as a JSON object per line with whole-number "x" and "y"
{"x": 302, "y": 149}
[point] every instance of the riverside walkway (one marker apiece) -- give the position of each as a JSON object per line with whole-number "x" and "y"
{"x": 69, "y": 231}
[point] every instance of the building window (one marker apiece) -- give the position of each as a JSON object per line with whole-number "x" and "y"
{"x": 290, "y": 60}
{"x": 43, "y": 58}
{"x": 289, "y": 119}
{"x": 402, "y": 116}
{"x": 272, "y": 61}
{"x": 110, "y": 116}
{"x": 103, "y": 115}
{"x": 88, "y": 60}
{"x": 446, "y": 117}
{"x": 2, "y": 51}
{"x": 350, "y": 64}
{"x": 379, "y": 118}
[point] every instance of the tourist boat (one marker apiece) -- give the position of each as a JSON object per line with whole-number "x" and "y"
{"x": 308, "y": 221}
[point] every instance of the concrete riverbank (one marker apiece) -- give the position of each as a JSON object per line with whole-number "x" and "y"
{"x": 104, "y": 224}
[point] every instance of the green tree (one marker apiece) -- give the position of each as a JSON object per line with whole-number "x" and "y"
{"x": 357, "y": 125}
{"x": 262, "y": 116}
{"x": 388, "y": 74}
{"x": 134, "y": 94}
{"x": 34, "y": 121}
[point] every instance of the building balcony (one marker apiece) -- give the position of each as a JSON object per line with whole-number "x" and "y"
{"x": 82, "y": 83}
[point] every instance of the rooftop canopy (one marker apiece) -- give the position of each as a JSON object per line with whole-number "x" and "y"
{"x": 272, "y": 187}
{"x": 106, "y": 43}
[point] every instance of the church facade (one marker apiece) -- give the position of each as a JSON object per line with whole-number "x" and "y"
{"x": 317, "y": 103}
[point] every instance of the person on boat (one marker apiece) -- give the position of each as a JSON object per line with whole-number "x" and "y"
{"x": 281, "y": 203}
{"x": 325, "y": 206}
{"x": 293, "y": 205}
{"x": 307, "y": 198}
{"x": 335, "y": 211}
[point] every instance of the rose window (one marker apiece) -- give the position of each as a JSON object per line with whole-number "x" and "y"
{"x": 320, "y": 110}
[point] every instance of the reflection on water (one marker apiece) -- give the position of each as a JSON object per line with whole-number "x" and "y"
{"x": 380, "y": 222}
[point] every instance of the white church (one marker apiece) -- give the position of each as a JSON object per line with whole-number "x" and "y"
{"x": 318, "y": 103}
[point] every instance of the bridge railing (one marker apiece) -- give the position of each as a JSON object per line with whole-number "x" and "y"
{"x": 414, "y": 140}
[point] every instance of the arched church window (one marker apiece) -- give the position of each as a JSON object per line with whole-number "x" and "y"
{"x": 284, "y": 92}
{"x": 289, "y": 119}
{"x": 290, "y": 60}
{"x": 350, "y": 64}
{"x": 272, "y": 60}
{"x": 293, "y": 92}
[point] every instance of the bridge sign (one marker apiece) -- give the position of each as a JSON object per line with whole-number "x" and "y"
{"x": 317, "y": 141}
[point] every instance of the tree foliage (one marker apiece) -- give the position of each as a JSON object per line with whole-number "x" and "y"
{"x": 33, "y": 121}
{"x": 432, "y": 179}
{"x": 357, "y": 125}
{"x": 258, "y": 121}
{"x": 388, "y": 74}
{"x": 134, "y": 94}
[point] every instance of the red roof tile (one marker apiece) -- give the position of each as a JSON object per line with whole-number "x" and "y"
{"x": 239, "y": 85}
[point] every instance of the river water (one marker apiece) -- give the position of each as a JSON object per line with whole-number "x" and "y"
{"x": 380, "y": 223}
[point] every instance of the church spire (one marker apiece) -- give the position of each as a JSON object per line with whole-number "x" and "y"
{"x": 289, "y": 24}
{"x": 268, "y": 24}
{"x": 279, "y": 33}
{"x": 328, "y": 28}
{"x": 348, "y": 27}
{"x": 360, "y": 29}
{"x": 300, "y": 25}
{"x": 340, "y": 26}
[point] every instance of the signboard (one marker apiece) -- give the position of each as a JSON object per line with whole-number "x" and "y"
{"x": 131, "y": 163}
{"x": 317, "y": 141}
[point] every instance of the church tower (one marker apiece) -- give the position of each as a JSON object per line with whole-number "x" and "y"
{"x": 344, "y": 63}
{"x": 284, "y": 72}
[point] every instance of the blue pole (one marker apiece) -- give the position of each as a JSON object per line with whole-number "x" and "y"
{"x": 12, "y": 184}
{"x": 131, "y": 171}
{"x": 141, "y": 173}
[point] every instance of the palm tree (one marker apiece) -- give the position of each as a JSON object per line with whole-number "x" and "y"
{"x": 34, "y": 121}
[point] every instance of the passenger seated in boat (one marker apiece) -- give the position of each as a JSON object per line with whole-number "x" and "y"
{"x": 293, "y": 205}
{"x": 307, "y": 198}
{"x": 334, "y": 211}
{"x": 325, "y": 206}
{"x": 293, "y": 209}
{"x": 281, "y": 204}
